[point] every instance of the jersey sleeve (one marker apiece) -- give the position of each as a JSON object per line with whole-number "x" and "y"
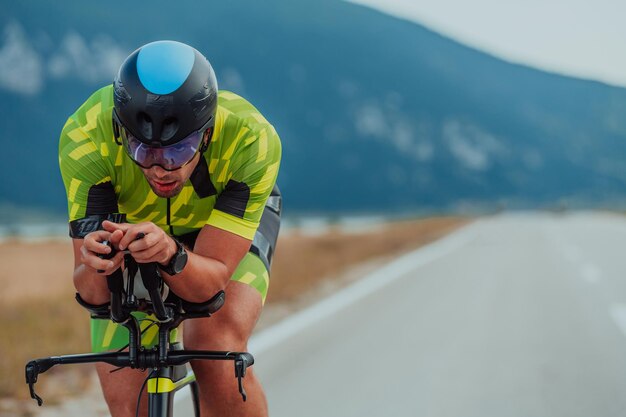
{"x": 86, "y": 175}
{"x": 252, "y": 176}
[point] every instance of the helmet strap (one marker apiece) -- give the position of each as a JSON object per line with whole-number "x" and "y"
{"x": 116, "y": 131}
{"x": 208, "y": 135}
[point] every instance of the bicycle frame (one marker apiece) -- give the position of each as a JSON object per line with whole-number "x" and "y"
{"x": 169, "y": 372}
{"x": 163, "y": 384}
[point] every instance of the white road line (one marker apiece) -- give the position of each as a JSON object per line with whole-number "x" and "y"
{"x": 570, "y": 252}
{"x": 590, "y": 272}
{"x": 618, "y": 314}
{"x": 367, "y": 285}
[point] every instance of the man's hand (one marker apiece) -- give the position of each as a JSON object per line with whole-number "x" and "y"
{"x": 155, "y": 246}
{"x": 93, "y": 247}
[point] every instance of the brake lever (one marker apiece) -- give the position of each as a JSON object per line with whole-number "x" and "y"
{"x": 241, "y": 364}
{"x": 34, "y": 395}
{"x": 32, "y": 371}
{"x": 31, "y": 380}
{"x": 239, "y": 376}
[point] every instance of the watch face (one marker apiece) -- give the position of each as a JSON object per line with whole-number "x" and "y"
{"x": 180, "y": 261}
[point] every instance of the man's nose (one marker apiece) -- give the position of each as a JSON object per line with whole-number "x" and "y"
{"x": 158, "y": 171}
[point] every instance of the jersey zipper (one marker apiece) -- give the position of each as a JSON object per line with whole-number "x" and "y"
{"x": 168, "y": 218}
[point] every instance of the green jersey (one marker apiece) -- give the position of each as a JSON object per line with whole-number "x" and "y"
{"x": 228, "y": 188}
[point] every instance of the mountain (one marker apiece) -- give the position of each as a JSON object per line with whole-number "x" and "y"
{"x": 376, "y": 114}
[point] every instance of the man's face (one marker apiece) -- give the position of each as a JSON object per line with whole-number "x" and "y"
{"x": 168, "y": 184}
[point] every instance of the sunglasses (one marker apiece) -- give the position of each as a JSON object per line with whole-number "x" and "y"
{"x": 170, "y": 158}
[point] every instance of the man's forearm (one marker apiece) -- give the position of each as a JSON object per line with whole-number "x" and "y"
{"x": 92, "y": 287}
{"x": 200, "y": 280}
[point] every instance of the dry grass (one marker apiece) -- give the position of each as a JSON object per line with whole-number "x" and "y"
{"x": 42, "y": 319}
{"x": 39, "y": 328}
{"x": 36, "y": 270}
{"x": 301, "y": 262}
{"x": 38, "y": 313}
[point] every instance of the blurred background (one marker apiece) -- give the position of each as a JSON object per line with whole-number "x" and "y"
{"x": 444, "y": 108}
{"x": 441, "y": 112}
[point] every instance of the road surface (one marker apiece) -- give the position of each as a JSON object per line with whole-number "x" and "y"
{"x": 515, "y": 315}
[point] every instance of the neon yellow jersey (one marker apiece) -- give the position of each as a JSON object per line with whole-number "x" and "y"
{"x": 228, "y": 188}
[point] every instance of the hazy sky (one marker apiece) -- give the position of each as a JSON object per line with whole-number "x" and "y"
{"x": 585, "y": 38}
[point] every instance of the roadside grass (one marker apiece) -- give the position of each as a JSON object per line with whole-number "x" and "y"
{"x": 36, "y": 328}
{"x": 303, "y": 262}
{"x": 49, "y": 322}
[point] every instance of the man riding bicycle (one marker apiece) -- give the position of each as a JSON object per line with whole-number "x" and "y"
{"x": 193, "y": 172}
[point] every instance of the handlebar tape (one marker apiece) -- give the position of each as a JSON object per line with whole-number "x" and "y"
{"x": 115, "y": 281}
{"x": 150, "y": 276}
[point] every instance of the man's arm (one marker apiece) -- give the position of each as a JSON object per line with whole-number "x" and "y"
{"x": 216, "y": 255}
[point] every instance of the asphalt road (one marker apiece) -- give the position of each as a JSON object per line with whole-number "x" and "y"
{"x": 516, "y": 315}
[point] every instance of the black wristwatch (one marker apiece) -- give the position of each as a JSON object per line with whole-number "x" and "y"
{"x": 178, "y": 261}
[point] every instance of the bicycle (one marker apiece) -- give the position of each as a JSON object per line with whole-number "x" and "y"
{"x": 167, "y": 360}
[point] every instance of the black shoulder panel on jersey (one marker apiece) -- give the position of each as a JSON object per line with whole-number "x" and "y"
{"x": 201, "y": 181}
{"x": 234, "y": 199}
{"x": 82, "y": 227}
{"x": 189, "y": 239}
{"x": 264, "y": 243}
{"x": 101, "y": 199}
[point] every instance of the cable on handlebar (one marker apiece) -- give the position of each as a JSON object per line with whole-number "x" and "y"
{"x": 143, "y": 386}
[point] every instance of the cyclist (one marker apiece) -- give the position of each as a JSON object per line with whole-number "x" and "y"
{"x": 194, "y": 173}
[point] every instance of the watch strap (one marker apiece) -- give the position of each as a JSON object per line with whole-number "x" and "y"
{"x": 180, "y": 251}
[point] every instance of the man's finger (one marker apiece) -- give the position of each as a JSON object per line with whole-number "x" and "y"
{"x": 150, "y": 254}
{"x": 111, "y": 227}
{"x": 96, "y": 246}
{"x": 116, "y": 237}
{"x": 143, "y": 243}
{"x": 110, "y": 265}
{"x": 100, "y": 265}
{"x": 129, "y": 237}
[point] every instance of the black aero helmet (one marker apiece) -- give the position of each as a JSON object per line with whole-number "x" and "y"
{"x": 163, "y": 92}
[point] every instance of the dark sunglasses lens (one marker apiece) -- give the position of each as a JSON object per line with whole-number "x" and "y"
{"x": 168, "y": 157}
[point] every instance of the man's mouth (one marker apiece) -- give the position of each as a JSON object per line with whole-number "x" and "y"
{"x": 164, "y": 185}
